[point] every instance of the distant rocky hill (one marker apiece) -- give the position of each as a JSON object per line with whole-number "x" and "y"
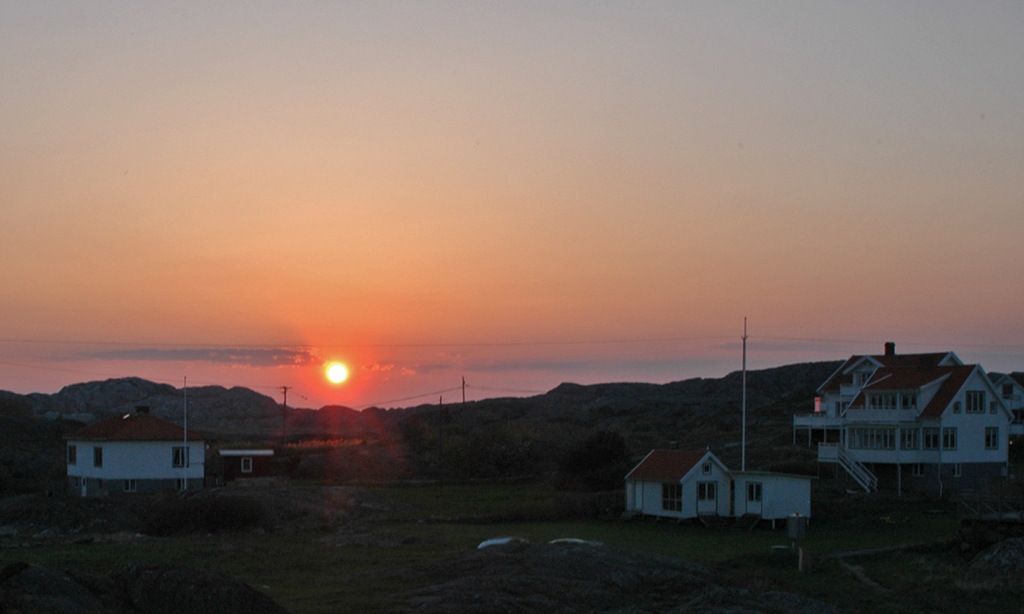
{"x": 694, "y": 414}
{"x": 615, "y": 406}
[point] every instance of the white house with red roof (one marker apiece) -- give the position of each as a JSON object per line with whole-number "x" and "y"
{"x": 134, "y": 453}
{"x": 922, "y": 422}
{"x": 1011, "y": 389}
{"x": 683, "y": 484}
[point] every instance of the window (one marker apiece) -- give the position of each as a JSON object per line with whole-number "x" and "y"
{"x": 885, "y": 400}
{"x": 958, "y": 470}
{"x": 931, "y": 438}
{"x": 706, "y": 491}
{"x": 873, "y": 438}
{"x": 975, "y": 402}
{"x": 706, "y": 468}
{"x": 859, "y": 379}
{"x": 992, "y": 438}
{"x": 908, "y": 400}
{"x": 72, "y": 455}
{"x": 956, "y": 407}
{"x": 1007, "y": 391}
{"x": 993, "y": 407}
{"x": 180, "y": 457}
{"x": 179, "y": 484}
{"x": 917, "y": 470}
{"x": 754, "y": 491}
{"x": 1018, "y": 416}
{"x": 97, "y": 457}
{"x": 130, "y": 485}
{"x": 247, "y": 466}
{"x": 949, "y": 438}
{"x": 909, "y": 439}
{"x": 671, "y": 496}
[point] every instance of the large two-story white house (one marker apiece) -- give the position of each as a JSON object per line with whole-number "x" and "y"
{"x": 1011, "y": 389}
{"x": 921, "y": 422}
{"x": 134, "y": 453}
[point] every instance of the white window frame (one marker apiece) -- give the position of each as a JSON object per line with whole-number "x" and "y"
{"x": 672, "y": 497}
{"x": 958, "y": 470}
{"x": 72, "y": 454}
{"x": 97, "y": 456}
{"x": 707, "y": 491}
{"x": 974, "y": 402}
{"x": 910, "y": 439}
{"x": 917, "y": 470}
{"x": 131, "y": 485}
{"x": 991, "y": 437}
{"x": 246, "y": 462}
{"x": 179, "y": 457}
{"x": 949, "y": 438}
{"x": 755, "y": 492}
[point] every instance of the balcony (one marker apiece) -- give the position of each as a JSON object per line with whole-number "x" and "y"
{"x": 817, "y": 420}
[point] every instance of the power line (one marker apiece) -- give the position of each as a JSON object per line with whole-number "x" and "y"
{"x": 418, "y": 396}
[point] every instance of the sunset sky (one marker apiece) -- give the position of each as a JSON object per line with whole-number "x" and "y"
{"x": 517, "y": 193}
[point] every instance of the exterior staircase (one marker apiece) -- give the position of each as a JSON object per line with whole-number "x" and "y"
{"x": 834, "y": 453}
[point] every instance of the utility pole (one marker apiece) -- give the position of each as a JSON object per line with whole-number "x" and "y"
{"x": 284, "y": 413}
{"x": 440, "y": 430}
{"x": 463, "y": 389}
{"x": 743, "y": 445}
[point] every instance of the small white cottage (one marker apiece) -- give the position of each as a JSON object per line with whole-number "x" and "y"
{"x": 684, "y": 484}
{"x": 679, "y": 484}
{"x": 134, "y": 453}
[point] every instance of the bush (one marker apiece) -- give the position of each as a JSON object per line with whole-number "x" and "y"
{"x": 599, "y": 462}
{"x": 174, "y": 516}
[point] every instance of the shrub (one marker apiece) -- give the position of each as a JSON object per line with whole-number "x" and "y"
{"x": 599, "y": 462}
{"x": 174, "y": 516}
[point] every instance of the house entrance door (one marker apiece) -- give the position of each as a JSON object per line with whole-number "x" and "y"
{"x": 707, "y": 498}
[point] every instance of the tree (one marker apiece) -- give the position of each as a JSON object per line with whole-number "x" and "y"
{"x": 599, "y": 462}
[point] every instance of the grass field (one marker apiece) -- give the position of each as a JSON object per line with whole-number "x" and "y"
{"x": 310, "y": 573}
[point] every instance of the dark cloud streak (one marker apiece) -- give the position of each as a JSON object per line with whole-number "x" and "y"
{"x": 266, "y": 357}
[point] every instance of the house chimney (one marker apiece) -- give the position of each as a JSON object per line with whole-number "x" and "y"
{"x": 890, "y": 348}
{"x": 142, "y": 409}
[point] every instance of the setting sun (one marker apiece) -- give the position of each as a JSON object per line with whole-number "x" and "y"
{"x": 337, "y": 372}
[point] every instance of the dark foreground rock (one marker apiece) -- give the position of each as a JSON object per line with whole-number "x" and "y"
{"x": 1007, "y": 555}
{"x": 543, "y": 578}
{"x": 32, "y": 589}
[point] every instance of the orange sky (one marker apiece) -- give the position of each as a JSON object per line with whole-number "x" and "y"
{"x": 518, "y": 193}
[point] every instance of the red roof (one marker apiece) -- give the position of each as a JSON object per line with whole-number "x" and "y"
{"x": 893, "y": 361}
{"x": 947, "y": 391}
{"x": 901, "y": 378}
{"x": 134, "y": 427}
{"x": 666, "y": 465}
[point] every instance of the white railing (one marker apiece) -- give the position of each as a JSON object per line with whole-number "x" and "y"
{"x": 834, "y": 453}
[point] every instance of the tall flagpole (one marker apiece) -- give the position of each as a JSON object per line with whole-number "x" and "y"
{"x": 743, "y": 445}
{"x": 185, "y": 462}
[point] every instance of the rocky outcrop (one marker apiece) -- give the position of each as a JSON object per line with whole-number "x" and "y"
{"x": 138, "y": 589}
{"x": 1007, "y": 555}
{"x": 578, "y": 577}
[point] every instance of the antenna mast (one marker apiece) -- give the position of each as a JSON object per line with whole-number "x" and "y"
{"x": 184, "y": 483}
{"x": 284, "y": 414}
{"x": 743, "y": 444}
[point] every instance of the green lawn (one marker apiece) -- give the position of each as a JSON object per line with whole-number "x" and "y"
{"x": 306, "y": 575}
